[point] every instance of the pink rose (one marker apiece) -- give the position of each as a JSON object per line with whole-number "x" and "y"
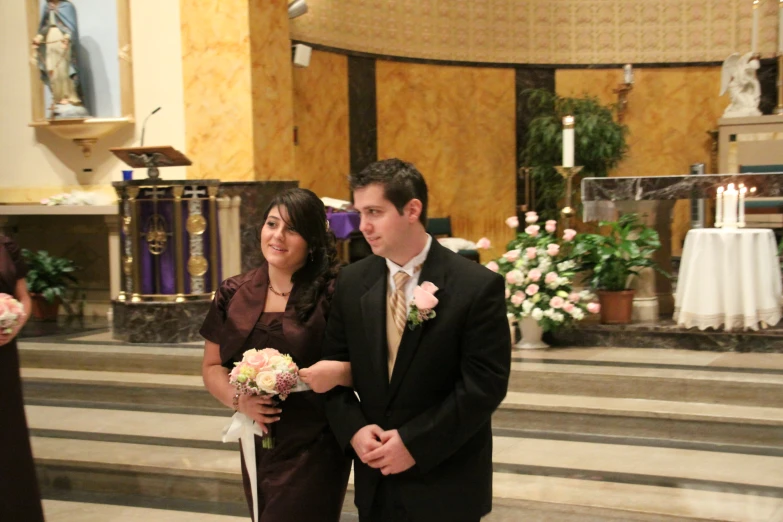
{"x": 508, "y": 293}
{"x": 551, "y": 277}
{"x": 512, "y": 255}
{"x": 424, "y": 300}
{"x": 484, "y": 243}
{"x": 493, "y": 266}
{"x": 531, "y": 252}
{"x": 593, "y": 308}
{"x": 532, "y": 230}
{"x": 531, "y": 290}
{"x": 234, "y": 373}
{"x": 568, "y": 307}
{"x": 573, "y": 297}
{"x": 551, "y": 226}
{"x": 569, "y": 234}
{"x": 531, "y": 217}
{"x": 258, "y": 360}
{"x": 429, "y": 287}
{"x": 534, "y": 274}
{"x": 556, "y": 302}
{"x": 515, "y": 277}
{"x": 517, "y": 298}
{"x": 512, "y": 222}
{"x": 553, "y": 249}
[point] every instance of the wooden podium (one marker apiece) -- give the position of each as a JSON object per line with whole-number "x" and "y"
{"x": 151, "y": 158}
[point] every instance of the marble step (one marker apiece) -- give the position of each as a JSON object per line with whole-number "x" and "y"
{"x": 587, "y": 481}
{"x": 744, "y": 428}
{"x": 698, "y": 384}
{"x": 72, "y": 511}
{"x": 182, "y": 360}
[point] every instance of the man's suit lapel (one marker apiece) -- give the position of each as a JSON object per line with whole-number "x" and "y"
{"x": 373, "y": 305}
{"x": 434, "y": 272}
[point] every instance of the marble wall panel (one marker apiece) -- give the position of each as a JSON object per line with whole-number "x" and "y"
{"x": 218, "y": 89}
{"x": 272, "y": 90}
{"x": 668, "y": 115}
{"x": 457, "y": 125}
{"x": 321, "y": 119}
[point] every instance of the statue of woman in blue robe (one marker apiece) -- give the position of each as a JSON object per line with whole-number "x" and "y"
{"x": 55, "y": 44}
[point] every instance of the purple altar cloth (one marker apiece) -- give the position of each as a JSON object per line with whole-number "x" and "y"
{"x": 342, "y": 223}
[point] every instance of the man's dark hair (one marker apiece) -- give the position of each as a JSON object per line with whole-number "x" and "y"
{"x": 401, "y": 183}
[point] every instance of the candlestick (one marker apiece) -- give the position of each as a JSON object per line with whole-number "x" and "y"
{"x": 568, "y": 173}
{"x": 719, "y": 208}
{"x": 754, "y": 40}
{"x": 743, "y": 190}
{"x": 628, "y": 73}
{"x": 568, "y": 141}
{"x": 730, "y": 207}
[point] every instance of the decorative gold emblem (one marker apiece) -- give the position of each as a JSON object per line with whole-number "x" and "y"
{"x": 156, "y": 234}
{"x": 127, "y": 266}
{"x": 177, "y": 190}
{"x": 133, "y": 192}
{"x": 197, "y": 266}
{"x": 212, "y": 190}
{"x": 126, "y": 223}
{"x": 196, "y": 224}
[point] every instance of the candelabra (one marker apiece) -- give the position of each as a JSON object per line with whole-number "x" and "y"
{"x": 568, "y": 173}
{"x": 526, "y": 176}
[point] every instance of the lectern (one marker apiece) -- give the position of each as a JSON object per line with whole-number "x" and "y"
{"x": 151, "y": 158}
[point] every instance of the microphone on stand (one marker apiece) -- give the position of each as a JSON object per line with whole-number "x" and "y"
{"x": 144, "y": 125}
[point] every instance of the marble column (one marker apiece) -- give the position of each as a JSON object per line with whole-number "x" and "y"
{"x": 113, "y": 226}
{"x": 653, "y": 295}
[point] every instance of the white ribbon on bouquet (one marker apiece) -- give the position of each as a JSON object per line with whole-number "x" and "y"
{"x": 244, "y": 429}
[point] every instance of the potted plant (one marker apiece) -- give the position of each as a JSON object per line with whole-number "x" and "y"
{"x": 614, "y": 259}
{"x": 48, "y": 278}
{"x": 600, "y": 142}
{"x": 539, "y": 268}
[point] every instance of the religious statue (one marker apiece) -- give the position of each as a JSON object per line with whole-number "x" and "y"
{"x": 738, "y": 76}
{"x": 55, "y": 47}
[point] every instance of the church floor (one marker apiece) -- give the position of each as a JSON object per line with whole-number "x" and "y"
{"x": 127, "y": 432}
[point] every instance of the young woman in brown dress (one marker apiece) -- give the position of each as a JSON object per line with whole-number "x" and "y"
{"x": 19, "y": 496}
{"x": 283, "y": 305}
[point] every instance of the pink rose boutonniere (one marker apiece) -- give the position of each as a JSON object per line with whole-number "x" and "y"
{"x": 423, "y": 304}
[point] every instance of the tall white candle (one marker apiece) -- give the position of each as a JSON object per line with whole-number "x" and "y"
{"x": 780, "y": 27}
{"x": 628, "y": 72}
{"x": 730, "y": 206}
{"x": 568, "y": 141}
{"x": 719, "y": 208}
{"x": 754, "y": 40}
{"x": 742, "y": 191}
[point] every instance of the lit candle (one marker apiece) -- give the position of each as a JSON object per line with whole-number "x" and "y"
{"x": 628, "y": 71}
{"x": 742, "y": 192}
{"x": 568, "y": 141}
{"x": 754, "y": 40}
{"x": 730, "y": 206}
{"x": 780, "y": 27}
{"x": 719, "y": 208}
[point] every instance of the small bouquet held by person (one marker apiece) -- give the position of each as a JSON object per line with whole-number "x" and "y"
{"x": 11, "y": 313}
{"x": 261, "y": 372}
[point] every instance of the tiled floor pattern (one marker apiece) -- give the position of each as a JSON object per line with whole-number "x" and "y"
{"x": 601, "y": 450}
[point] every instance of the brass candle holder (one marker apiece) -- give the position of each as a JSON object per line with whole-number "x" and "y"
{"x": 568, "y": 173}
{"x": 779, "y": 108}
{"x": 526, "y": 176}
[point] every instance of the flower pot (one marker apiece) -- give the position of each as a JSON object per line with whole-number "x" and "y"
{"x": 616, "y": 307}
{"x": 531, "y": 335}
{"x": 42, "y": 309}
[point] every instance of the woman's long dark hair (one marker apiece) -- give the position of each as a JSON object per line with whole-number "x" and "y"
{"x": 307, "y": 215}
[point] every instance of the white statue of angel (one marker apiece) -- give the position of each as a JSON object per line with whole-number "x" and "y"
{"x": 738, "y": 76}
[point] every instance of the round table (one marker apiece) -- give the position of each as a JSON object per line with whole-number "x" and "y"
{"x": 728, "y": 277}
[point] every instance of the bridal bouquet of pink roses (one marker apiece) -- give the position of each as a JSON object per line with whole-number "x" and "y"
{"x": 11, "y": 313}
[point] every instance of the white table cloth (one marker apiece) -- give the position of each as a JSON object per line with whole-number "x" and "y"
{"x": 728, "y": 277}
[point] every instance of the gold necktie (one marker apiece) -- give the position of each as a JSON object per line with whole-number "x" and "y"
{"x": 398, "y": 303}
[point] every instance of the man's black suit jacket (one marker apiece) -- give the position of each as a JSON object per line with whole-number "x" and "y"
{"x": 450, "y": 375}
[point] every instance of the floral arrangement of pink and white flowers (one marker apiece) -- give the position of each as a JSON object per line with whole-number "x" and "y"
{"x": 265, "y": 372}
{"x": 539, "y": 268}
{"x": 11, "y": 313}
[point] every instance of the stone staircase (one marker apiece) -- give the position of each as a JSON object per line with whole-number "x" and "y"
{"x": 129, "y": 433}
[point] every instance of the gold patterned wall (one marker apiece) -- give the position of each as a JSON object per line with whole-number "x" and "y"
{"x": 273, "y": 110}
{"x": 541, "y": 31}
{"x": 322, "y": 156}
{"x": 238, "y": 89}
{"x": 457, "y": 125}
{"x": 669, "y": 113}
{"x": 217, "y": 89}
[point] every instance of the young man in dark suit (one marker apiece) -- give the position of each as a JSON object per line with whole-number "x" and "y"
{"x": 427, "y": 385}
